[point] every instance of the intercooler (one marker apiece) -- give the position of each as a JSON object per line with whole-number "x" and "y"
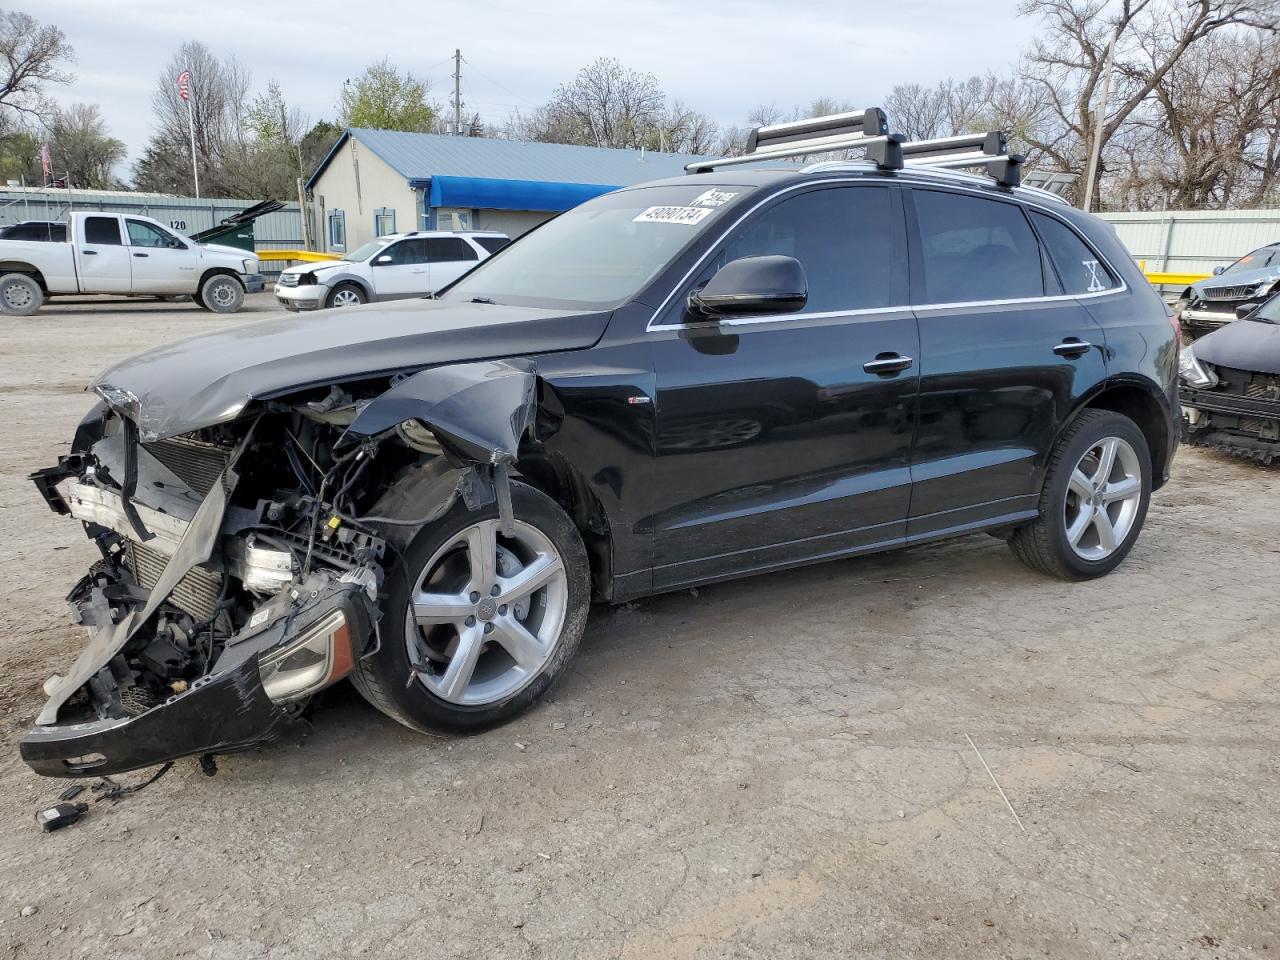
{"x": 197, "y": 593}
{"x": 197, "y": 463}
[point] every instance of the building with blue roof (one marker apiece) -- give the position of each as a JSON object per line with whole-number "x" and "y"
{"x": 375, "y": 182}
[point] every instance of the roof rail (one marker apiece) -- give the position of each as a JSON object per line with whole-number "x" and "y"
{"x": 987, "y": 150}
{"x": 798, "y": 138}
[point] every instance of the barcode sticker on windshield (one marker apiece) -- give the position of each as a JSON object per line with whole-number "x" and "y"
{"x": 686, "y": 215}
{"x": 714, "y": 198}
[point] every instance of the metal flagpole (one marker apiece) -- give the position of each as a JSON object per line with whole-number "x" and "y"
{"x": 185, "y": 93}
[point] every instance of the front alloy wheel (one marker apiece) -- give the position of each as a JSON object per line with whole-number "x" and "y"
{"x": 1103, "y": 497}
{"x": 477, "y": 623}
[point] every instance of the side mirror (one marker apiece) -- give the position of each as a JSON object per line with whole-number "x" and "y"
{"x": 752, "y": 285}
{"x": 1245, "y": 309}
{"x": 1219, "y": 270}
{"x": 175, "y": 244}
{"x": 382, "y": 261}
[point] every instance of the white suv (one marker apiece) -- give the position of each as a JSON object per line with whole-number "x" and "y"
{"x": 388, "y": 268}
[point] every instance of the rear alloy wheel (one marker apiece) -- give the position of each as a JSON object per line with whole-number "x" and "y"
{"x": 346, "y": 295}
{"x": 20, "y": 295}
{"x": 1094, "y": 500}
{"x": 483, "y": 622}
{"x": 221, "y": 294}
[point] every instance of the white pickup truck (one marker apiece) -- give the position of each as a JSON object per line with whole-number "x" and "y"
{"x": 128, "y": 255}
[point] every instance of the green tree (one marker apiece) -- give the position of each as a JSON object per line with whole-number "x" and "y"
{"x": 383, "y": 98}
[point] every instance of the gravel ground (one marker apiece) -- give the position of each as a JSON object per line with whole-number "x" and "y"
{"x": 775, "y": 768}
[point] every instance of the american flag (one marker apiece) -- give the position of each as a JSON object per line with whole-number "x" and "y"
{"x": 46, "y": 162}
{"x": 184, "y": 85}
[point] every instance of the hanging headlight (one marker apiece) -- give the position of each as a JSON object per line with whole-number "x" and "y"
{"x": 320, "y": 656}
{"x": 1193, "y": 371}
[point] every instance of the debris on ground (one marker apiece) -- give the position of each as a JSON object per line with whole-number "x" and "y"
{"x": 60, "y": 815}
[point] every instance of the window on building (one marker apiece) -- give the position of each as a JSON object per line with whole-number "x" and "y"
{"x": 337, "y": 229}
{"x": 450, "y": 249}
{"x": 384, "y": 221}
{"x": 143, "y": 234}
{"x": 492, "y": 244}
{"x": 1078, "y": 267}
{"x": 976, "y": 249}
{"x": 842, "y": 237}
{"x": 102, "y": 230}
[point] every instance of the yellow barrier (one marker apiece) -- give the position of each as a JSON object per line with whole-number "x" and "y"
{"x": 1158, "y": 278}
{"x": 309, "y": 256}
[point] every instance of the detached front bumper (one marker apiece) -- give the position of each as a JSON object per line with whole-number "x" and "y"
{"x": 308, "y": 297}
{"x": 222, "y": 713}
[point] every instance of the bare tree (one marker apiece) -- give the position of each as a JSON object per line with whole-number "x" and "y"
{"x": 31, "y": 56}
{"x": 605, "y": 105}
{"x": 1066, "y": 65}
{"x": 81, "y": 148}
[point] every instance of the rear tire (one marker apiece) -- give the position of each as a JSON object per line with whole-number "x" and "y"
{"x": 1089, "y": 521}
{"x": 441, "y": 690}
{"x": 20, "y": 295}
{"x": 221, "y": 294}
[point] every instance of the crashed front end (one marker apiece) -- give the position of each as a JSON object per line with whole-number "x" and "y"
{"x": 238, "y": 574}
{"x": 1238, "y": 413}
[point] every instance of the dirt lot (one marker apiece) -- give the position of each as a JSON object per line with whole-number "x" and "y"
{"x": 773, "y": 768}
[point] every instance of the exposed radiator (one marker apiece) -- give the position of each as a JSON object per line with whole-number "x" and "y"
{"x": 197, "y": 463}
{"x": 196, "y": 593}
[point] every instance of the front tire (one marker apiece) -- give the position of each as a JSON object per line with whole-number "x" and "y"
{"x": 20, "y": 295}
{"x": 1094, "y": 500}
{"x": 455, "y": 655}
{"x": 221, "y": 294}
{"x": 346, "y": 295}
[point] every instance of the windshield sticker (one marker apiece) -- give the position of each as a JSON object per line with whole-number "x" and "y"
{"x": 714, "y": 198}
{"x": 689, "y": 216}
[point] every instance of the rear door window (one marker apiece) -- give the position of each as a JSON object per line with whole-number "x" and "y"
{"x": 976, "y": 249}
{"x": 1077, "y": 265}
{"x": 450, "y": 249}
{"x": 492, "y": 244}
{"x": 102, "y": 230}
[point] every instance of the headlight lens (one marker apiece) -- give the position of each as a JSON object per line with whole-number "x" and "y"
{"x": 250, "y": 266}
{"x": 1193, "y": 371}
{"x": 316, "y": 659}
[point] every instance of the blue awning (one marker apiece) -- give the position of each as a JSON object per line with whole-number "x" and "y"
{"x": 485, "y": 194}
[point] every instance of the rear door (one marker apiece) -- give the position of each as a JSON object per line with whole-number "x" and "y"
{"x": 776, "y": 442}
{"x": 161, "y": 262}
{"x": 449, "y": 258}
{"x": 401, "y": 270}
{"x": 103, "y": 256}
{"x": 1006, "y": 355}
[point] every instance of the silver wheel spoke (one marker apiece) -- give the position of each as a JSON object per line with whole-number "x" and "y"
{"x": 1106, "y": 461}
{"x": 537, "y": 573}
{"x": 432, "y": 608}
{"x": 482, "y": 551}
{"x": 525, "y": 649}
{"x": 1106, "y": 532}
{"x": 1079, "y": 484}
{"x": 457, "y": 676}
{"x": 1122, "y": 489}
{"x": 1081, "y": 524}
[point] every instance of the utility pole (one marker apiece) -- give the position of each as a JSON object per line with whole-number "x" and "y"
{"x": 457, "y": 93}
{"x": 1099, "y": 121}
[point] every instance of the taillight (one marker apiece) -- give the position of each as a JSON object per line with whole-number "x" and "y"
{"x": 1175, "y": 323}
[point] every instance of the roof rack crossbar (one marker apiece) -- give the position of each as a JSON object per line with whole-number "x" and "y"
{"x": 801, "y": 138}
{"x": 987, "y": 150}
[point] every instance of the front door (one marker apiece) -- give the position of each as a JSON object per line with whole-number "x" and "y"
{"x": 104, "y": 259}
{"x": 449, "y": 258}
{"x": 401, "y": 270}
{"x": 162, "y": 263}
{"x": 787, "y": 438}
{"x": 1005, "y": 357}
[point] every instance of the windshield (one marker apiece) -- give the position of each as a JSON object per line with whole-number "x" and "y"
{"x": 362, "y": 253}
{"x": 1269, "y": 312}
{"x": 1254, "y": 261}
{"x": 602, "y": 253}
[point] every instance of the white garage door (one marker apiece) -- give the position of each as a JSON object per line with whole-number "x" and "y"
{"x": 511, "y": 222}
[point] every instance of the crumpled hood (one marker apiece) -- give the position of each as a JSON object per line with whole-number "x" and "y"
{"x": 1243, "y": 345}
{"x": 316, "y": 267}
{"x": 1237, "y": 278}
{"x": 195, "y": 383}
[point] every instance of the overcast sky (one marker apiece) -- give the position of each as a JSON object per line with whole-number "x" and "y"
{"x": 720, "y": 58}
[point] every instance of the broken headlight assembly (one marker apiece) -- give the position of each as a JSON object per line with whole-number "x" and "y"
{"x": 1193, "y": 372}
{"x": 320, "y": 656}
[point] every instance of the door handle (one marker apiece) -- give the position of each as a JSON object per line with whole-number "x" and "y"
{"x": 142, "y": 254}
{"x": 887, "y": 364}
{"x": 1072, "y": 348}
{"x": 90, "y": 253}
